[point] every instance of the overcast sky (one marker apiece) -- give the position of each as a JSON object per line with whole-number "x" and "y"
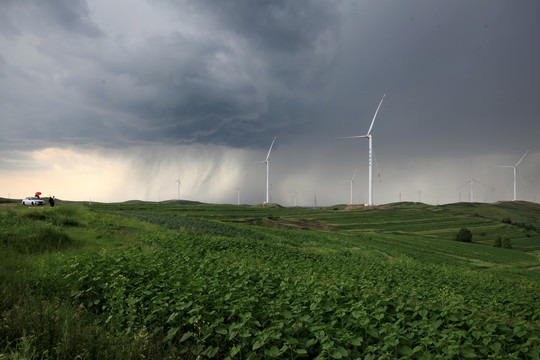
{"x": 116, "y": 100}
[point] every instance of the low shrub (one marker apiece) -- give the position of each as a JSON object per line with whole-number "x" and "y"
{"x": 464, "y": 235}
{"x": 35, "y": 239}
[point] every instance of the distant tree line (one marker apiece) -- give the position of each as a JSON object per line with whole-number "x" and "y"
{"x": 465, "y": 235}
{"x": 528, "y": 227}
{"x": 502, "y": 243}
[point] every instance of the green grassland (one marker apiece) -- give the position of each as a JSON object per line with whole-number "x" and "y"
{"x": 189, "y": 280}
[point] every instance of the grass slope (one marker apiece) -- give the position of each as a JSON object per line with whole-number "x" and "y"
{"x": 148, "y": 280}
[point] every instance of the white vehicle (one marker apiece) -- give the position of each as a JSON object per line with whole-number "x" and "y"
{"x": 33, "y": 201}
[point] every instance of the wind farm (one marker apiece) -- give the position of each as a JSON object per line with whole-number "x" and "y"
{"x": 137, "y": 220}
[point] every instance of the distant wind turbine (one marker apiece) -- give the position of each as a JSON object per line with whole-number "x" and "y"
{"x": 370, "y": 139}
{"x": 238, "y": 195}
{"x": 471, "y": 181}
{"x": 179, "y": 184}
{"x": 351, "y": 181}
{"x": 515, "y": 171}
{"x": 294, "y": 199}
{"x": 267, "y": 162}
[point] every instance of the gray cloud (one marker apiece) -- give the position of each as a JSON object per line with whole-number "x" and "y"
{"x": 256, "y": 60}
{"x": 462, "y": 77}
{"x": 71, "y": 16}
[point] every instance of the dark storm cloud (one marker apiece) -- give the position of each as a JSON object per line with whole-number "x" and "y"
{"x": 7, "y": 26}
{"x": 294, "y": 38}
{"x": 458, "y": 74}
{"x": 244, "y": 71}
{"x": 276, "y": 26}
{"x": 17, "y": 17}
{"x": 240, "y": 81}
{"x": 256, "y": 64}
{"x": 224, "y": 77}
{"x": 71, "y": 16}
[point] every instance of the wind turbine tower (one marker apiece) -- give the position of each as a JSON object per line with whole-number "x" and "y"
{"x": 370, "y": 140}
{"x": 472, "y": 181}
{"x": 515, "y": 171}
{"x": 179, "y": 184}
{"x": 237, "y": 195}
{"x": 351, "y": 181}
{"x": 267, "y": 162}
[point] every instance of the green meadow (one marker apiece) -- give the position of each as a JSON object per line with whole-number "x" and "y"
{"x": 194, "y": 281}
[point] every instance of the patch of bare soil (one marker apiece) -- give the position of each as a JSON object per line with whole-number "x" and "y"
{"x": 355, "y": 207}
{"x": 280, "y": 223}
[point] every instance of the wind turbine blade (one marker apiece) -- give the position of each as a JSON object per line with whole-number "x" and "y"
{"x": 355, "y": 170}
{"x": 351, "y": 137}
{"x": 377, "y": 166}
{"x": 468, "y": 181}
{"x": 522, "y": 181}
{"x": 481, "y": 183}
{"x": 526, "y": 152}
{"x": 374, "y": 116}
{"x": 503, "y": 166}
{"x": 273, "y": 141}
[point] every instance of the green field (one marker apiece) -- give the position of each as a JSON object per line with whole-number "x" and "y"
{"x": 171, "y": 280}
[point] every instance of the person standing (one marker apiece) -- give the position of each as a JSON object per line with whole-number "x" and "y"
{"x": 51, "y": 201}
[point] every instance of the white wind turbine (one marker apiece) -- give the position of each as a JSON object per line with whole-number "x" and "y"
{"x": 471, "y": 181}
{"x": 370, "y": 139}
{"x": 515, "y": 171}
{"x": 351, "y": 181}
{"x": 237, "y": 195}
{"x": 267, "y": 162}
{"x": 179, "y": 184}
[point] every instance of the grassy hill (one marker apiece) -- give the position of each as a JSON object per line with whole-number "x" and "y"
{"x": 160, "y": 280}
